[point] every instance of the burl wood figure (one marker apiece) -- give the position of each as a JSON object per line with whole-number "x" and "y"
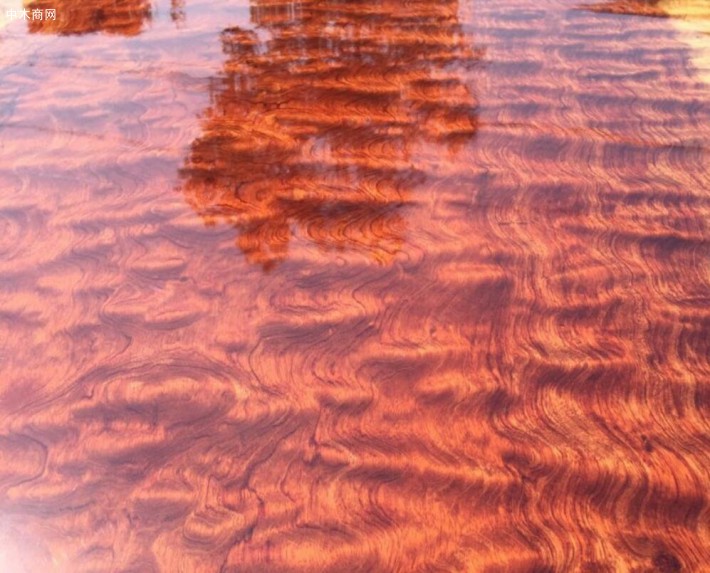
{"x": 355, "y": 286}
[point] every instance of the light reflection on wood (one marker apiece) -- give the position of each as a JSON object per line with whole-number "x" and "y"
{"x": 328, "y": 126}
{"x": 483, "y": 340}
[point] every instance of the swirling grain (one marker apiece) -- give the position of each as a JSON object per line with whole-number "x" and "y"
{"x": 354, "y": 286}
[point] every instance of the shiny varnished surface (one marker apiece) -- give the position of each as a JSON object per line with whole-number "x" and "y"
{"x": 355, "y": 286}
{"x": 125, "y": 17}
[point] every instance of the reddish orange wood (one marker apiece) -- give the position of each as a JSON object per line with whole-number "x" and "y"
{"x": 355, "y": 286}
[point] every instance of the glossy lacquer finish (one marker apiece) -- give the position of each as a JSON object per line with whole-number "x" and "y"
{"x": 349, "y": 286}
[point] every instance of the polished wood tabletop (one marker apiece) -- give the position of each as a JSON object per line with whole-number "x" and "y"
{"x": 355, "y": 286}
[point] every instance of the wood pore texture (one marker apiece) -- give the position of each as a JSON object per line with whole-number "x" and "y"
{"x": 355, "y": 286}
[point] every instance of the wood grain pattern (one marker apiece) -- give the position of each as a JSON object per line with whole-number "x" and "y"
{"x": 354, "y": 286}
{"x": 125, "y": 17}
